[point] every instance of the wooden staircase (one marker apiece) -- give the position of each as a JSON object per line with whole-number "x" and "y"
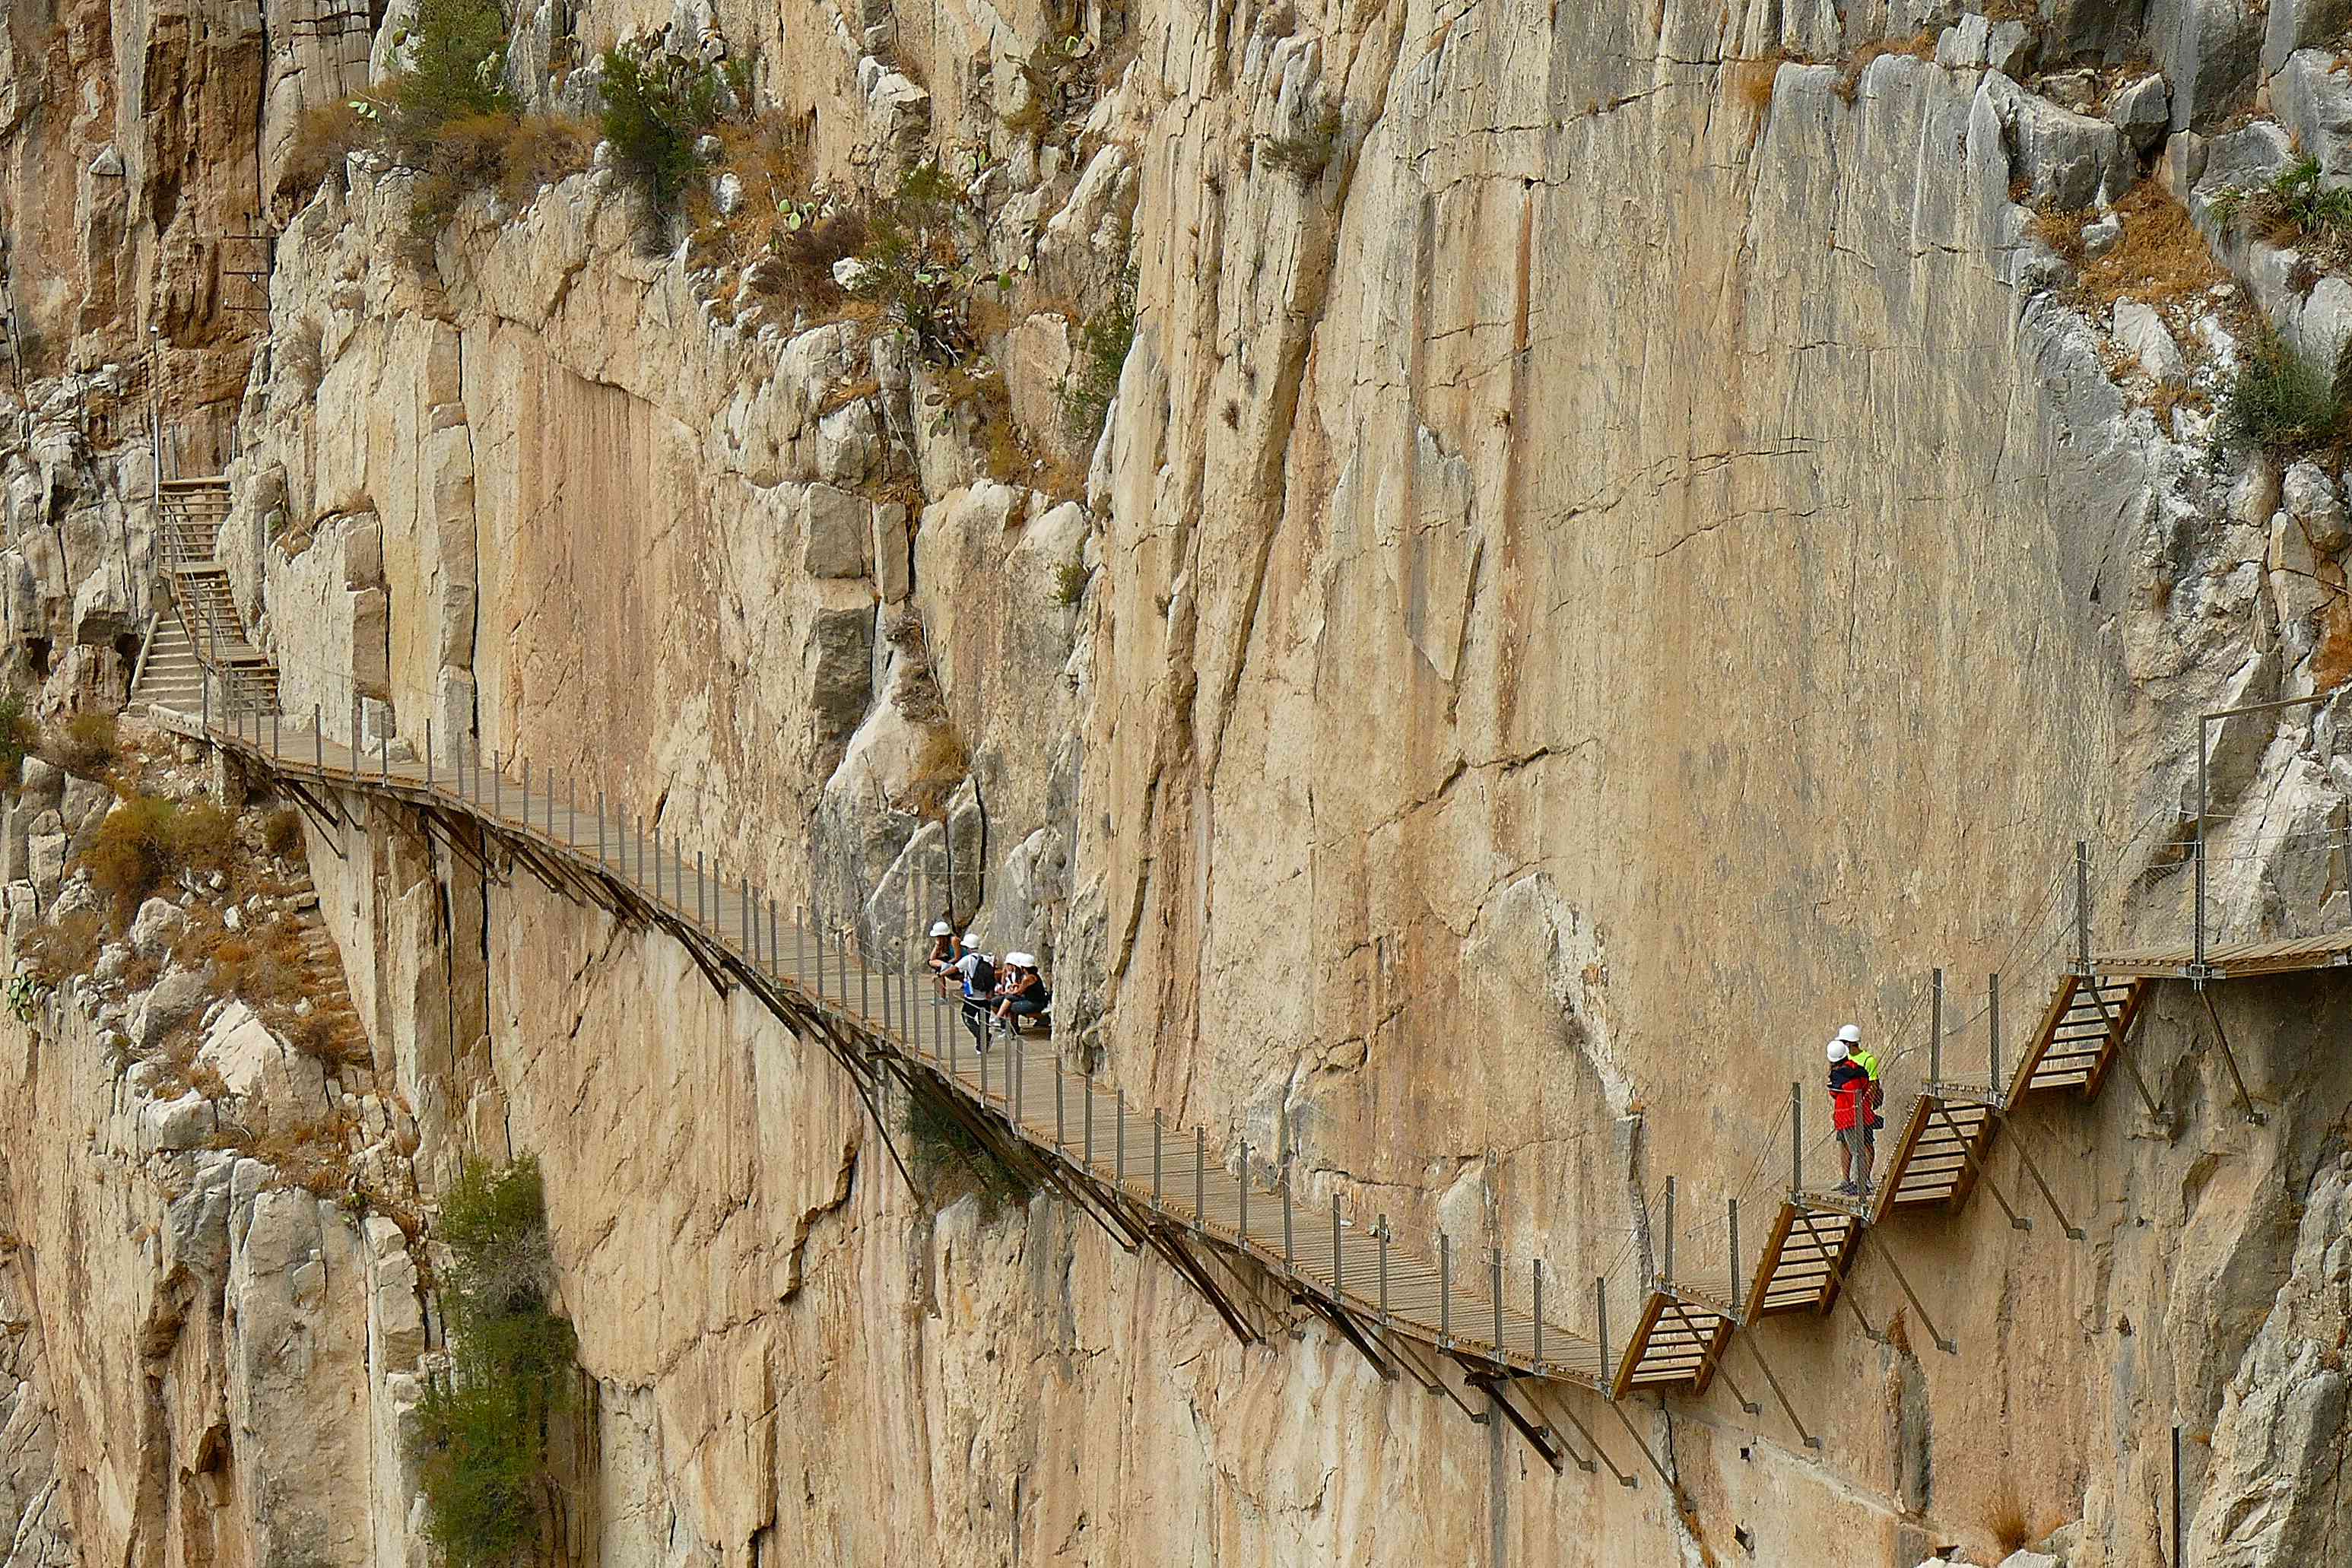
{"x": 2081, "y": 1031}
{"x": 189, "y": 515}
{"x": 1941, "y": 1151}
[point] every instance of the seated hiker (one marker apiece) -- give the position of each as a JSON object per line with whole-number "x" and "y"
{"x": 946, "y": 949}
{"x": 1024, "y": 991}
{"x": 1850, "y": 1113}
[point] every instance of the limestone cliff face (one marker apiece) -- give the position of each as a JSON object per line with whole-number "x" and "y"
{"x": 1620, "y": 546}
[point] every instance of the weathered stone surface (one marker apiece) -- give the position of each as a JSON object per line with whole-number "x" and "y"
{"x": 2293, "y": 25}
{"x": 837, "y": 532}
{"x": 2142, "y": 111}
{"x": 2313, "y": 99}
{"x": 158, "y": 924}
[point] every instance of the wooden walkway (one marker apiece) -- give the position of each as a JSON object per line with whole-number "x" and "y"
{"x": 1409, "y": 1310}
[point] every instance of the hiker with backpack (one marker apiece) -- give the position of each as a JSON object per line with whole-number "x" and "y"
{"x": 1853, "y": 1113}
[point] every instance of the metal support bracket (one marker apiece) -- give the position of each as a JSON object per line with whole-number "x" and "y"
{"x": 2256, "y": 1117}
{"x": 1887, "y": 1254}
{"x": 1778, "y": 1392}
{"x": 1541, "y": 1438}
{"x": 2025, "y": 1157}
{"x": 1968, "y": 1152}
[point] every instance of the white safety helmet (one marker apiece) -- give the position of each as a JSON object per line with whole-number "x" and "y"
{"x": 1022, "y": 960}
{"x": 1850, "y": 1034}
{"x": 1837, "y": 1050}
{"x": 941, "y": 928}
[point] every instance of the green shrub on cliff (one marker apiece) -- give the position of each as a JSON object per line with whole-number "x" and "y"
{"x": 457, "y": 65}
{"x": 484, "y": 1455}
{"x": 2281, "y": 403}
{"x": 657, "y": 106}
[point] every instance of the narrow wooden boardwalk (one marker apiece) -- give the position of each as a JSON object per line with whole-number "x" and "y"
{"x": 1411, "y": 1309}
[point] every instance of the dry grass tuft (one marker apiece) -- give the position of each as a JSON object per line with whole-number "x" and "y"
{"x": 1752, "y": 81}
{"x": 2007, "y": 1524}
{"x": 2161, "y": 259}
{"x": 85, "y": 744}
{"x": 66, "y": 948}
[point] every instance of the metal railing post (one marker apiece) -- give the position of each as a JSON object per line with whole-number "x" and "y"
{"x": 1601, "y": 1327}
{"x": 1200, "y": 1176}
{"x": 1494, "y": 1271}
{"x": 1992, "y": 1028}
{"x": 1157, "y": 1129}
{"x": 2204, "y": 807}
{"x": 428, "y": 753}
{"x": 1119, "y": 1140}
{"x": 1936, "y": 1032}
{"x": 2083, "y": 908}
{"x": 1061, "y": 1116}
{"x": 1283, "y": 1175}
{"x": 1796, "y": 1138}
{"x": 702, "y": 914}
{"x": 1087, "y": 1085}
{"x": 1245, "y": 1186}
{"x": 1667, "y": 1257}
{"x": 600, "y": 827}
{"x": 1537, "y": 1292}
{"x": 1381, "y": 1236}
{"x": 1339, "y": 1259}
{"x": 1735, "y": 1257}
{"x": 318, "y": 738}
{"x": 1444, "y": 1291}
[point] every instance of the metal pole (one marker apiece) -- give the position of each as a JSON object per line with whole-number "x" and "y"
{"x": 359, "y": 742}
{"x": 498, "y": 789}
{"x": 384, "y": 755}
{"x": 982, "y": 1054}
{"x": 1494, "y": 1271}
{"x": 1936, "y": 1029}
{"x": 1018, "y": 1074}
{"x": 1667, "y": 1272}
{"x": 428, "y": 752}
{"x": 1382, "y": 1233}
{"x": 1061, "y": 1125}
{"x": 277, "y": 728}
{"x": 1338, "y": 1260}
{"x": 953, "y": 1049}
{"x": 2204, "y": 730}
{"x": 1245, "y": 1184}
{"x": 1284, "y": 1176}
{"x": 1992, "y": 1028}
{"x": 2083, "y": 908}
{"x": 1600, "y": 1317}
{"x": 1538, "y": 1273}
{"x": 1735, "y": 1257}
{"x": 600, "y": 827}
{"x": 2179, "y": 1557}
{"x": 1118, "y": 1169}
{"x": 205, "y": 699}
{"x": 702, "y": 916}
{"x": 1796, "y": 1138}
{"x": 1445, "y": 1290}
{"x": 1156, "y": 1130}
{"x": 1087, "y": 1085}
{"x": 318, "y": 740}
{"x": 1200, "y": 1176}
{"x": 864, "y": 999}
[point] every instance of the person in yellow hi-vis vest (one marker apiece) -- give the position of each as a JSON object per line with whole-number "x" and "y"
{"x": 1848, "y": 1047}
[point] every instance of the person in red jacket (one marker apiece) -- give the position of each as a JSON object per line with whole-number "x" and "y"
{"x": 1850, "y": 1113}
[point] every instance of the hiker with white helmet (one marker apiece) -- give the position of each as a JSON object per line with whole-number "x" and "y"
{"x": 1023, "y": 991}
{"x": 1852, "y": 1112}
{"x": 946, "y": 952}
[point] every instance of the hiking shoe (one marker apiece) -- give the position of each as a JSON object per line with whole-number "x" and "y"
{"x": 1848, "y": 1189}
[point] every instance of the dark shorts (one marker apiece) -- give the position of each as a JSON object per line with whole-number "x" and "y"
{"x": 1023, "y": 1008}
